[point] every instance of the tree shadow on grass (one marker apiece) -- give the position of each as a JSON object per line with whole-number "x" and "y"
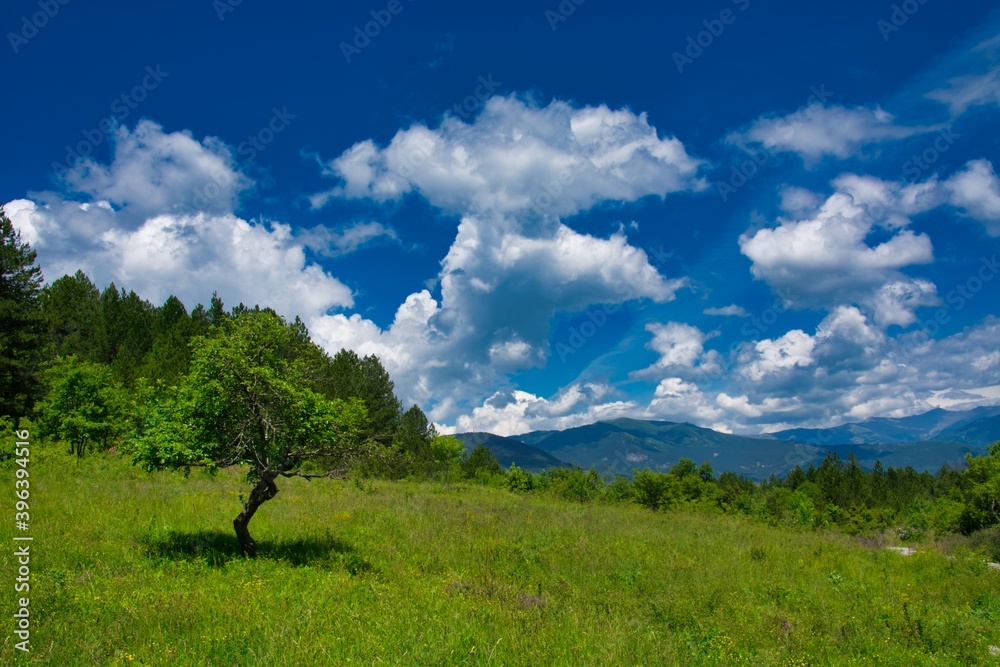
{"x": 217, "y": 548}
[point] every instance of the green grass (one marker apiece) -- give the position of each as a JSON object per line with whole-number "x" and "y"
{"x": 131, "y": 568}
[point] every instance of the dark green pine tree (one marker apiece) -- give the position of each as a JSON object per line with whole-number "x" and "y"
{"x": 481, "y": 459}
{"x": 108, "y": 337}
{"x": 414, "y": 437}
{"x": 173, "y": 329}
{"x": 216, "y": 312}
{"x": 204, "y": 319}
{"x": 364, "y": 377}
{"x": 22, "y": 328}
{"x": 126, "y": 332}
{"x": 72, "y": 307}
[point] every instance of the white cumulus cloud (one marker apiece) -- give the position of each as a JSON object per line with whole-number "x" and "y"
{"x": 976, "y": 190}
{"x": 818, "y": 130}
{"x": 158, "y": 220}
{"x": 516, "y": 157}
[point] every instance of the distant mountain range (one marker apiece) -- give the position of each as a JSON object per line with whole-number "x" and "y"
{"x": 979, "y": 427}
{"x": 926, "y": 442}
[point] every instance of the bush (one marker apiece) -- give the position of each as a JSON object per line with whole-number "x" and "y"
{"x": 655, "y": 490}
{"x": 802, "y": 511}
{"x": 574, "y": 484}
{"x": 620, "y": 489}
{"x": 987, "y": 541}
{"x": 945, "y": 516}
{"x": 520, "y": 481}
{"x": 489, "y": 479}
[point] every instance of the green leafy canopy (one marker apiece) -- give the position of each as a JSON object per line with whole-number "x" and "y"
{"x": 248, "y": 399}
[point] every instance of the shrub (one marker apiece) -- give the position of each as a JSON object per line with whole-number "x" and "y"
{"x": 574, "y": 484}
{"x": 620, "y": 489}
{"x": 945, "y": 516}
{"x": 520, "y": 480}
{"x": 654, "y": 489}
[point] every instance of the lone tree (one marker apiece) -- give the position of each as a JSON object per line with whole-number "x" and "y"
{"x": 251, "y": 398}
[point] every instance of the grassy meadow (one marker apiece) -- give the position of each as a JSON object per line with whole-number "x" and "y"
{"x": 131, "y": 568}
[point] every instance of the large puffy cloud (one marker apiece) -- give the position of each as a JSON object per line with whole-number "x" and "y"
{"x": 158, "y": 220}
{"x": 516, "y": 157}
{"x": 513, "y": 265}
{"x": 792, "y": 349}
{"x": 155, "y": 172}
{"x": 500, "y": 289}
{"x": 817, "y": 130}
{"x": 803, "y": 259}
{"x": 498, "y": 278}
{"x": 677, "y": 400}
{"x": 804, "y": 255}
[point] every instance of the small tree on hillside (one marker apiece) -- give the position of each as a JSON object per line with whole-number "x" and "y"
{"x": 447, "y": 450}
{"x": 481, "y": 460}
{"x": 250, "y": 398}
{"x": 83, "y": 407}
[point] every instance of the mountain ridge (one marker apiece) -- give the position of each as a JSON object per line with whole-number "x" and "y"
{"x": 511, "y": 451}
{"x": 618, "y": 446}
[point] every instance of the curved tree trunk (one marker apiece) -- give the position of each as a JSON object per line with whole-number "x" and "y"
{"x": 264, "y": 491}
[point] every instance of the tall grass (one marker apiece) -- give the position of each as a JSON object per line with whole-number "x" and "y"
{"x": 133, "y": 568}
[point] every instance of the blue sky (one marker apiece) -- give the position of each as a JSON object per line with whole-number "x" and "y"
{"x": 748, "y": 215}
